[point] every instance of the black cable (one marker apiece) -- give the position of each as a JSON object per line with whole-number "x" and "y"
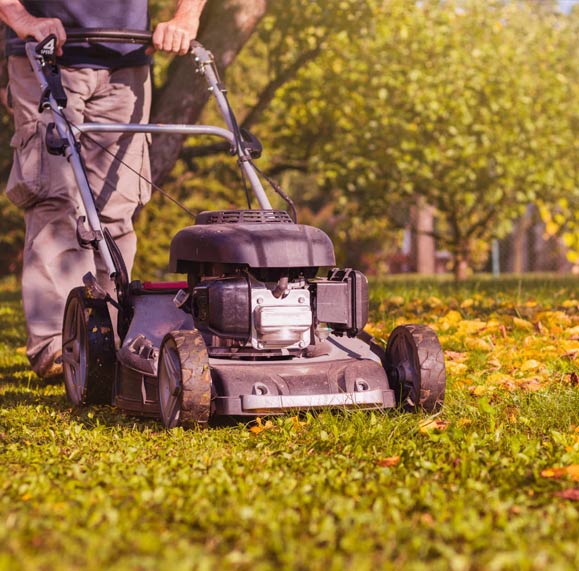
{"x": 116, "y": 158}
{"x": 278, "y": 189}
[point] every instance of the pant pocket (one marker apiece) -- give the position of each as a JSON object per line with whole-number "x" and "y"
{"x": 27, "y": 183}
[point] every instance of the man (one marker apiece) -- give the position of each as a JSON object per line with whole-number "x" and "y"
{"x": 104, "y": 83}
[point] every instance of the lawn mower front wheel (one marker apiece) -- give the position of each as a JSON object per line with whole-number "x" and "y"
{"x": 184, "y": 380}
{"x": 88, "y": 349}
{"x": 415, "y": 368}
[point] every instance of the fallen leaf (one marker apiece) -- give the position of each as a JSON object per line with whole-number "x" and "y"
{"x": 570, "y": 494}
{"x": 523, "y": 324}
{"x": 571, "y": 354}
{"x": 494, "y": 364}
{"x": 467, "y": 303}
{"x": 574, "y": 378}
{"x": 541, "y": 328}
{"x": 530, "y": 365}
{"x": 478, "y": 344}
{"x": 297, "y": 423}
{"x": 455, "y": 356}
{"x": 260, "y": 426}
{"x": 532, "y": 385}
{"x": 561, "y": 471}
{"x": 456, "y": 369}
{"x": 432, "y": 424}
{"x": 389, "y": 462}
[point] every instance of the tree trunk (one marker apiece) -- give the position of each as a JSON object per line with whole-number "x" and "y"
{"x": 460, "y": 269}
{"x": 226, "y": 27}
{"x": 424, "y": 246}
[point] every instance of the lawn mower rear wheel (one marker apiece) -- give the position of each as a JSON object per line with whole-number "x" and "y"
{"x": 88, "y": 349}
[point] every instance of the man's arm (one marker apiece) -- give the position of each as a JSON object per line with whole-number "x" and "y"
{"x": 176, "y": 35}
{"x": 25, "y": 25}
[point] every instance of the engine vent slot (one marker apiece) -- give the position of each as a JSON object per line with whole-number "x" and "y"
{"x": 244, "y": 217}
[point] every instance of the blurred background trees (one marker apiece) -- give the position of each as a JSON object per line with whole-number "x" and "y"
{"x": 382, "y": 119}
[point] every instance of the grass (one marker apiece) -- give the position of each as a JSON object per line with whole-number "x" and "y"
{"x": 93, "y": 489}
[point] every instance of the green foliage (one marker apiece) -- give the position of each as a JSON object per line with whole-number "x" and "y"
{"x": 94, "y": 489}
{"x": 466, "y": 104}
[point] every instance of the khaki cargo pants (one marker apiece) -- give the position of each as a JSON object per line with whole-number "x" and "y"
{"x": 44, "y": 186}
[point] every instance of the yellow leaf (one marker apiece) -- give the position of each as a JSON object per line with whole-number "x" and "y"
{"x": 479, "y": 390}
{"x": 477, "y": 344}
{"x": 297, "y": 423}
{"x": 471, "y": 326}
{"x": 456, "y": 369}
{"x": 467, "y": 303}
{"x": 453, "y": 317}
{"x": 523, "y": 324}
{"x": 530, "y": 365}
{"x": 260, "y": 426}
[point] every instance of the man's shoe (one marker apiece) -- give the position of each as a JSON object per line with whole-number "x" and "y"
{"x": 54, "y": 373}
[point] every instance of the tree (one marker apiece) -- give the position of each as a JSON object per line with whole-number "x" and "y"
{"x": 456, "y": 102}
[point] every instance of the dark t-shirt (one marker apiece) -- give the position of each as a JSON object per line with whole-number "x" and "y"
{"x": 112, "y": 14}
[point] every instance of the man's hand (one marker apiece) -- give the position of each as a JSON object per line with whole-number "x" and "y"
{"x": 176, "y": 35}
{"x": 13, "y": 13}
{"x": 40, "y": 28}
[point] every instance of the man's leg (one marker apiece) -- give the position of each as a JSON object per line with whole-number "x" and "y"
{"x": 44, "y": 186}
{"x": 121, "y": 96}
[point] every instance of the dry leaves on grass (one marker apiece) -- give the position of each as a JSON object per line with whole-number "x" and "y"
{"x": 389, "y": 462}
{"x": 432, "y": 425}
{"x": 559, "y": 472}
{"x": 570, "y": 494}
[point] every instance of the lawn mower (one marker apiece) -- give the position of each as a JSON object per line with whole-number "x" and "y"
{"x": 264, "y": 322}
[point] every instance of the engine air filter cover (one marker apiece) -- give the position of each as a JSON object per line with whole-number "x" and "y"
{"x": 256, "y": 238}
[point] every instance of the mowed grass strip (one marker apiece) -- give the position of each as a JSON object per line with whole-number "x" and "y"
{"x": 486, "y": 484}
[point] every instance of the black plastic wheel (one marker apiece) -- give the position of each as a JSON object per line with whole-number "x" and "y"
{"x": 88, "y": 349}
{"x": 415, "y": 368}
{"x": 184, "y": 380}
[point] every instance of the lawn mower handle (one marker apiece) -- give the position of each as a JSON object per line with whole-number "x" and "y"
{"x": 44, "y": 64}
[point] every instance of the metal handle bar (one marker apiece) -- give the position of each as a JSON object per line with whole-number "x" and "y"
{"x": 75, "y": 35}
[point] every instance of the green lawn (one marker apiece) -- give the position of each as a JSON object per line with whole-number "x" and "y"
{"x": 96, "y": 490}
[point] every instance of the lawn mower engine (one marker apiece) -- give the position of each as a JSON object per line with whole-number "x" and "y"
{"x": 247, "y": 307}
